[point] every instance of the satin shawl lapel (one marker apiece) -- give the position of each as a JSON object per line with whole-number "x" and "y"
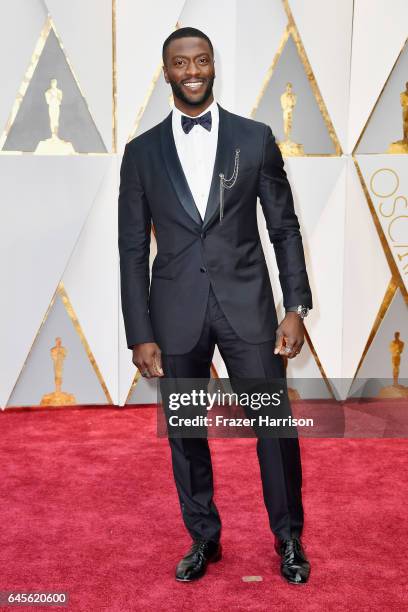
{"x": 176, "y": 172}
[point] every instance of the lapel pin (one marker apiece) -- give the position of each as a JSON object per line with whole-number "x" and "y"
{"x": 228, "y": 183}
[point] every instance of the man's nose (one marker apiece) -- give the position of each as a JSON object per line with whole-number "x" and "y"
{"x": 192, "y": 69}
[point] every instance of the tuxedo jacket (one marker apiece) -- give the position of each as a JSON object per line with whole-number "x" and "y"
{"x": 193, "y": 253}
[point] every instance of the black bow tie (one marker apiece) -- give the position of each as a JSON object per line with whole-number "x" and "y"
{"x": 187, "y": 123}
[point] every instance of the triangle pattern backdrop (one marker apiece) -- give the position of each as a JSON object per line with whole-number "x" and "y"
{"x": 313, "y": 134}
{"x": 367, "y": 274}
{"x": 379, "y": 34}
{"x": 86, "y": 30}
{"x": 31, "y": 123}
{"x": 80, "y": 373}
{"x": 41, "y": 218}
{"x": 158, "y": 103}
{"x": 91, "y": 277}
{"x": 327, "y": 42}
{"x": 385, "y": 182}
{"x": 20, "y": 23}
{"x": 376, "y": 370}
{"x": 385, "y": 124}
{"x": 341, "y": 237}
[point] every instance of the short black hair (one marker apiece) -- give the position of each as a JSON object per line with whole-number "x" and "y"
{"x": 183, "y": 33}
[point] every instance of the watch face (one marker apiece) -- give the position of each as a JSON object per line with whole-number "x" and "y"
{"x": 303, "y": 311}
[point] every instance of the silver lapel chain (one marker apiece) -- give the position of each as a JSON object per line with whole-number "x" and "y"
{"x": 228, "y": 183}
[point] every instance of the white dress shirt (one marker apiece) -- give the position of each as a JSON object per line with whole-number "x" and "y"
{"x": 196, "y": 151}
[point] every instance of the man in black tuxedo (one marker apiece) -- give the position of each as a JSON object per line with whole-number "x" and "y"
{"x": 210, "y": 283}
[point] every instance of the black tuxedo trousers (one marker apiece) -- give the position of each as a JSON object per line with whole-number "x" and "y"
{"x": 279, "y": 458}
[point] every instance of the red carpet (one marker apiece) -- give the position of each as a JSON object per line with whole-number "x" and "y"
{"x": 89, "y": 506}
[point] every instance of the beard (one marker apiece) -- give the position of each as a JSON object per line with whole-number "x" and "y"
{"x": 179, "y": 93}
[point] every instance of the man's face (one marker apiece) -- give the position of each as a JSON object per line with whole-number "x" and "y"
{"x": 189, "y": 68}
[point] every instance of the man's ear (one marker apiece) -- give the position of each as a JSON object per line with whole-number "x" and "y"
{"x": 165, "y": 74}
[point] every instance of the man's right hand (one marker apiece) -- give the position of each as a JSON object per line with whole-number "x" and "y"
{"x": 147, "y": 358}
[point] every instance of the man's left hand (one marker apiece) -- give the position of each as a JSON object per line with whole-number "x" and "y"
{"x": 290, "y": 336}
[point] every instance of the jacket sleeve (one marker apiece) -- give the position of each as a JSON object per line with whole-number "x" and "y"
{"x": 276, "y": 199}
{"x": 134, "y": 227}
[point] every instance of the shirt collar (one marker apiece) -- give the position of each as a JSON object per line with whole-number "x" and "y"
{"x": 176, "y": 118}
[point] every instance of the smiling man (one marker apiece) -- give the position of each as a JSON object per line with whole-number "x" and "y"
{"x": 197, "y": 176}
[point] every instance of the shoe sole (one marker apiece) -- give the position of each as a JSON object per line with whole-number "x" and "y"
{"x": 293, "y": 582}
{"x": 217, "y": 557}
{"x": 288, "y": 581}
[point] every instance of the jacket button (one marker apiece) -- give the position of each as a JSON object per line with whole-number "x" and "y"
{"x": 202, "y": 269}
{"x": 203, "y": 235}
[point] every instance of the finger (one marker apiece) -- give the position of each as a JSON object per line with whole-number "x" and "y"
{"x": 152, "y": 367}
{"x": 295, "y": 350}
{"x": 299, "y": 347}
{"x": 291, "y": 347}
{"x": 158, "y": 364}
{"x": 279, "y": 342}
{"x": 286, "y": 348}
{"x": 286, "y": 351}
{"x": 145, "y": 370}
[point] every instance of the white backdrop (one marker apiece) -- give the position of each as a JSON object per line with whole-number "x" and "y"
{"x": 348, "y": 62}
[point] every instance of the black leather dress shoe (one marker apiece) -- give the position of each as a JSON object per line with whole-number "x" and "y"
{"x": 295, "y": 567}
{"x": 195, "y": 563}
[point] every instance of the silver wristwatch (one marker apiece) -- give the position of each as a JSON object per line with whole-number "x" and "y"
{"x": 302, "y": 311}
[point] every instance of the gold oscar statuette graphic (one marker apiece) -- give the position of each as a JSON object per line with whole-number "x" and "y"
{"x": 54, "y": 145}
{"x": 58, "y": 397}
{"x": 395, "y": 390}
{"x": 288, "y": 103}
{"x": 401, "y": 146}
